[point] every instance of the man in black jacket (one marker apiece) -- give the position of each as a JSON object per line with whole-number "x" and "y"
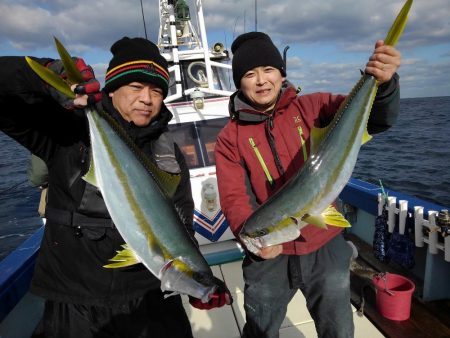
{"x": 83, "y": 299}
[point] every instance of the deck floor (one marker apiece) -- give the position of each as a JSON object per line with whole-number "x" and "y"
{"x": 227, "y": 322}
{"x": 428, "y": 319}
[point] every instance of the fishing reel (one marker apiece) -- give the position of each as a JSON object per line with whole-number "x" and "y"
{"x": 443, "y": 221}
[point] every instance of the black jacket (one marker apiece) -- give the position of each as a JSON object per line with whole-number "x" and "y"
{"x": 70, "y": 263}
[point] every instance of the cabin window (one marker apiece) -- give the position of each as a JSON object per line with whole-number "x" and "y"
{"x": 193, "y": 74}
{"x": 197, "y": 140}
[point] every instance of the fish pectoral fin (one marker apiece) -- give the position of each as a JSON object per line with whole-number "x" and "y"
{"x": 316, "y": 220}
{"x": 366, "y": 137}
{"x": 125, "y": 257}
{"x": 299, "y": 222}
{"x": 178, "y": 264}
{"x": 330, "y": 216}
{"x": 335, "y": 218}
{"x": 170, "y": 294}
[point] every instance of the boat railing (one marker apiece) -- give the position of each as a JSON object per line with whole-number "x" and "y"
{"x": 425, "y": 230}
{"x": 362, "y": 200}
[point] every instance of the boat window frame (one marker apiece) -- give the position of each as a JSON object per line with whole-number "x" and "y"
{"x": 222, "y": 78}
{"x": 201, "y": 153}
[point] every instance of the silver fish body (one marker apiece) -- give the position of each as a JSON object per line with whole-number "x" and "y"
{"x": 144, "y": 216}
{"x": 321, "y": 179}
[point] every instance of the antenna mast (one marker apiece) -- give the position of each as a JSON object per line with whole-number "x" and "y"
{"x": 143, "y": 19}
{"x": 256, "y": 16}
{"x": 175, "y": 27}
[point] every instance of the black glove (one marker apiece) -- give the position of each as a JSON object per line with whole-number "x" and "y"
{"x": 221, "y": 297}
{"x": 90, "y": 86}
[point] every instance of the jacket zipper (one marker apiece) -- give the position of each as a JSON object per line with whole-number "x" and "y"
{"x": 261, "y": 161}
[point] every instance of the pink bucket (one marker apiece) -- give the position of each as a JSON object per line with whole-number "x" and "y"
{"x": 393, "y": 295}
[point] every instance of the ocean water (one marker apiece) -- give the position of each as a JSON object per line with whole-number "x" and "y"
{"x": 18, "y": 199}
{"x": 412, "y": 157}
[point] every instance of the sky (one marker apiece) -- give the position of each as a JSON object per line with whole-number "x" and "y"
{"x": 329, "y": 40}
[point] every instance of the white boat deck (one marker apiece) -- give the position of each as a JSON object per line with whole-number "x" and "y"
{"x": 227, "y": 322}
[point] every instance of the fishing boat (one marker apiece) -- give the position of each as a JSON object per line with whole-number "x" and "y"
{"x": 198, "y": 97}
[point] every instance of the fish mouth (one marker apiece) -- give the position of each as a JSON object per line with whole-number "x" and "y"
{"x": 176, "y": 276}
{"x": 259, "y": 239}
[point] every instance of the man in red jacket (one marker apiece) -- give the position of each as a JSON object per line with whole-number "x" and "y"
{"x": 263, "y": 145}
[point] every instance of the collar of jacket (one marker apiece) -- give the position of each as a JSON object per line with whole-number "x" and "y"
{"x": 140, "y": 135}
{"x": 241, "y": 110}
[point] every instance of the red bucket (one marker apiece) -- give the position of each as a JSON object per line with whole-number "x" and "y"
{"x": 393, "y": 295}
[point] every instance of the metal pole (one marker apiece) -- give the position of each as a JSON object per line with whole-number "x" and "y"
{"x": 143, "y": 19}
{"x": 256, "y": 16}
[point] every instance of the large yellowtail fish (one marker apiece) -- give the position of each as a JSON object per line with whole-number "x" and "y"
{"x": 306, "y": 197}
{"x": 137, "y": 194}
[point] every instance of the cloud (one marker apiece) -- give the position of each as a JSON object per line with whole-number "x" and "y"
{"x": 84, "y": 24}
{"x": 330, "y": 40}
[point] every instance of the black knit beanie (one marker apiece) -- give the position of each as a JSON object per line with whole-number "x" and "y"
{"x": 136, "y": 59}
{"x": 254, "y": 49}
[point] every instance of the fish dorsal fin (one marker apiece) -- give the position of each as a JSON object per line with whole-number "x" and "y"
{"x": 366, "y": 137}
{"x": 167, "y": 182}
{"x": 317, "y": 136}
{"x": 90, "y": 175}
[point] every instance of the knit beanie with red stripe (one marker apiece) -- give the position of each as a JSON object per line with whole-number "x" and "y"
{"x": 136, "y": 60}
